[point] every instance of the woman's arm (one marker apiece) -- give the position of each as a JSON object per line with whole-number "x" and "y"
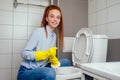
{"x": 30, "y": 48}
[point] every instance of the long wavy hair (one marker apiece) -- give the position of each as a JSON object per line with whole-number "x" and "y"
{"x": 59, "y": 29}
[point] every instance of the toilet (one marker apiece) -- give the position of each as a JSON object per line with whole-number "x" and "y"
{"x": 87, "y": 48}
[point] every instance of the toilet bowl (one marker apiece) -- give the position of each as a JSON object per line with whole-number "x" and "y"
{"x": 87, "y": 48}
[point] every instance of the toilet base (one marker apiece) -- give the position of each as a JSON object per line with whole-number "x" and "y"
{"x": 68, "y": 73}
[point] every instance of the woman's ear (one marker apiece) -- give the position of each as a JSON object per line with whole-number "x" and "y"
{"x": 46, "y": 19}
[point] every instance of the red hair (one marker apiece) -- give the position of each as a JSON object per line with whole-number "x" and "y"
{"x": 60, "y": 27}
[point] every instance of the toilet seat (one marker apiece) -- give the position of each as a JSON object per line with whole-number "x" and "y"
{"x": 90, "y": 50}
{"x": 82, "y": 51}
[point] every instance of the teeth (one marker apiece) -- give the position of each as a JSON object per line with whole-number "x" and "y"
{"x": 54, "y": 23}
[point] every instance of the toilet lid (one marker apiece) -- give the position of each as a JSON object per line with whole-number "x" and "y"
{"x": 82, "y": 46}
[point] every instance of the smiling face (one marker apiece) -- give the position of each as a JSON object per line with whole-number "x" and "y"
{"x": 53, "y": 18}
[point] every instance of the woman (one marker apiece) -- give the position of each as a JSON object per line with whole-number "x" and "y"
{"x": 39, "y": 54}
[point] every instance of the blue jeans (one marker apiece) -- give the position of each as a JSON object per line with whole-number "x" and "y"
{"x": 41, "y": 73}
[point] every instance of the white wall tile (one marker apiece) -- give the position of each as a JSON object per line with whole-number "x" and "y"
{"x": 5, "y": 46}
{"x": 30, "y": 30}
{"x": 101, "y": 4}
{"x": 112, "y": 2}
{"x": 68, "y": 43}
{"x": 16, "y": 61}
{"x": 20, "y": 32}
{"x": 14, "y": 73}
{"x": 93, "y": 29}
{"x": 5, "y": 74}
{"x": 102, "y": 17}
{"x": 92, "y": 6}
{"x": 114, "y": 30}
{"x": 6, "y": 4}
{"x": 114, "y": 13}
{"x": 36, "y": 9}
{"x": 102, "y": 29}
{"x": 15, "y": 26}
{"x": 5, "y": 61}
{"x": 34, "y": 19}
{"x": 22, "y": 1}
{"x": 21, "y": 8}
{"x": 38, "y": 2}
{"x": 5, "y": 17}
{"x": 92, "y": 19}
{"x": 6, "y": 31}
{"x": 107, "y": 15}
{"x": 20, "y": 18}
{"x": 44, "y": 2}
{"x": 18, "y": 46}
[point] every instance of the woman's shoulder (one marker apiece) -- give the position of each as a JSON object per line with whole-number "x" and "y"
{"x": 39, "y": 30}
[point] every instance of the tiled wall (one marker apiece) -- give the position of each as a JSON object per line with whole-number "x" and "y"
{"x": 104, "y": 17}
{"x": 15, "y": 26}
{"x": 17, "y": 23}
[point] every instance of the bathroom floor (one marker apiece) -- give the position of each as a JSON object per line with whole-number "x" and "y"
{"x": 86, "y": 78}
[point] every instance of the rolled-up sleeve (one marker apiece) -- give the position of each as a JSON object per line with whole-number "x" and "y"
{"x": 30, "y": 48}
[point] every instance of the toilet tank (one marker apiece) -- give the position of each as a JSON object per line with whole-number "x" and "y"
{"x": 99, "y": 50}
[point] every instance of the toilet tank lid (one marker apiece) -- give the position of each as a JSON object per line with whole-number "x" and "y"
{"x": 100, "y": 36}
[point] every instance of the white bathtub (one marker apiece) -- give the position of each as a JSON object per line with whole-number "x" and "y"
{"x": 107, "y": 70}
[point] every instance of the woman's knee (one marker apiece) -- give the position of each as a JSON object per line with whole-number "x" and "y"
{"x": 51, "y": 74}
{"x": 65, "y": 62}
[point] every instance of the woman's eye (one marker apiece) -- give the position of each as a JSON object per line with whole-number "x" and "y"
{"x": 58, "y": 17}
{"x": 51, "y": 16}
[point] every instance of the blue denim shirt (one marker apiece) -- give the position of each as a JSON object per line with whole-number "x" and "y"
{"x": 37, "y": 41}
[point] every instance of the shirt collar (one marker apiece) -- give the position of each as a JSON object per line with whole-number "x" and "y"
{"x": 49, "y": 31}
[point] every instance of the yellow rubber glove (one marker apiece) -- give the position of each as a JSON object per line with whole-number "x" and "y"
{"x": 52, "y": 51}
{"x": 53, "y": 59}
{"x": 42, "y": 55}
